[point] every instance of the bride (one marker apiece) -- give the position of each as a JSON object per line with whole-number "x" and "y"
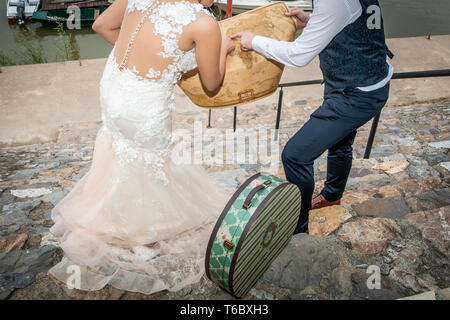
{"x": 136, "y": 220}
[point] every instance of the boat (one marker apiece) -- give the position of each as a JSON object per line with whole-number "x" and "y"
{"x": 21, "y": 10}
{"x": 54, "y": 11}
{"x": 64, "y": 4}
{"x": 240, "y": 6}
{"x": 52, "y": 17}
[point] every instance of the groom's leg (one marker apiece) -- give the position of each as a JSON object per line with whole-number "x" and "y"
{"x": 324, "y": 129}
{"x": 341, "y": 114}
{"x": 339, "y": 164}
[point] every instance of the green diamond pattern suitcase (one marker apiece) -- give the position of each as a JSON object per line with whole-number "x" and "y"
{"x": 254, "y": 227}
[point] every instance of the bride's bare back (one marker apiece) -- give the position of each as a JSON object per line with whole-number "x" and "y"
{"x": 157, "y": 38}
{"x": 152, "y": 40}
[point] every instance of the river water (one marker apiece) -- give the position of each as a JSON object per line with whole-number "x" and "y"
{"x": 403, "y": 18}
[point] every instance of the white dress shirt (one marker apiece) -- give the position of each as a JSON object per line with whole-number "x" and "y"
{"x": 328, "y": 18}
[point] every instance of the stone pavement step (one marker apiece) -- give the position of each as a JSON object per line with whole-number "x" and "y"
{"x": 394, "y": 213}
{"x": 434, "y": 225}
{"x": 443, "y": 294}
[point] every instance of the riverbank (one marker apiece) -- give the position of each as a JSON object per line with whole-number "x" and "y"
{"x": 35, "y": 100}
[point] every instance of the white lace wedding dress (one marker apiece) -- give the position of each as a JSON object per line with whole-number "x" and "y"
{"x": 137, "y": 220}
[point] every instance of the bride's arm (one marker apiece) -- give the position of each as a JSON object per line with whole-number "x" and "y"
{"x": 211, "y": 50}
{"x": 108, "y": 23}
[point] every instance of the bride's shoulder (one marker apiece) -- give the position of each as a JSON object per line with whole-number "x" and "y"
{"x": 206, "y": 20}
{"x": 204, "y": 27}
{"x": 185, "y": 11}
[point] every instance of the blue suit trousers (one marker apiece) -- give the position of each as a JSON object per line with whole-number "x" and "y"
{"x": 331, "y": 127}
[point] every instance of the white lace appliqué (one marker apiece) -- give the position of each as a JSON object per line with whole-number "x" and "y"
{"x": 153, "y": 74}
{"x": 169, "y": 25}
{"x": 143, "y": 105}
{"x": 140, "y": 5}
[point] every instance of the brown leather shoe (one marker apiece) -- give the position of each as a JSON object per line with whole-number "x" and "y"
{"x": 320, "y": 202}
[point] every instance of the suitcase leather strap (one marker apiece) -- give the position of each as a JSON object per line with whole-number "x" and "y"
{"x": 248, "y": 201}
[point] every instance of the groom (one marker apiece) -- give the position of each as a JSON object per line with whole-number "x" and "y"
{"x": 348, "y": 36}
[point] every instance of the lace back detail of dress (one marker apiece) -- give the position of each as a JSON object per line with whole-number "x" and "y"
{"x": 136, "y": 90}
{"x": 153, "y": 51}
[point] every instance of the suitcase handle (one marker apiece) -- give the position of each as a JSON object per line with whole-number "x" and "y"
{"x": 248, "y": 201}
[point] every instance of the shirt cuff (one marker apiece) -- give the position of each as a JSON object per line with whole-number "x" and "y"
{"x": 259, "y": 43}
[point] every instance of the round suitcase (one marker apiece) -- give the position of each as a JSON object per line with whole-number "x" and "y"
{"x": 249, "y": 75}
{"x": 254, "y": 227}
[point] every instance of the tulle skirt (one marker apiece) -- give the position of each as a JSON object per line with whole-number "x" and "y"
{"x": 129, "y": 230}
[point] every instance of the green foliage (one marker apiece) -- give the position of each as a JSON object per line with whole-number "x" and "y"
{"x": 5, "y": 60}
{"x": 32, "y": 51}
{"x": 67, "y": 46}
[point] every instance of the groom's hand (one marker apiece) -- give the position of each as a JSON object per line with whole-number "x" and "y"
{"x": 301, "y": 16}
{"x": 246, "y": 39}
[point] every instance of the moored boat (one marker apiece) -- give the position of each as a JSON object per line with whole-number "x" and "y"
{"x": 52, "y": 17}
{"x": 54, "y": 11}
{"x": 21, "y": 10}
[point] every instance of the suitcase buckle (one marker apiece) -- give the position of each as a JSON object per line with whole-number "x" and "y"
{"x": 228, "y": 244}
{"x": 266, "y": 184}
{"x": 246, "y": 206}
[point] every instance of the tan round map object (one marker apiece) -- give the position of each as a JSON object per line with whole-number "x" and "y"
{"x": 249, "y": 75}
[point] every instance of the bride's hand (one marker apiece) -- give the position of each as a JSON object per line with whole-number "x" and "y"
{"x": 228, "y": 44}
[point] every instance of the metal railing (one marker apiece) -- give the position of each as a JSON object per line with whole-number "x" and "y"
{"x": 376, "y": 119}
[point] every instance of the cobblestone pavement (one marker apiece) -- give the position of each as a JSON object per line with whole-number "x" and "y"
{"x": 395, "y": 213}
